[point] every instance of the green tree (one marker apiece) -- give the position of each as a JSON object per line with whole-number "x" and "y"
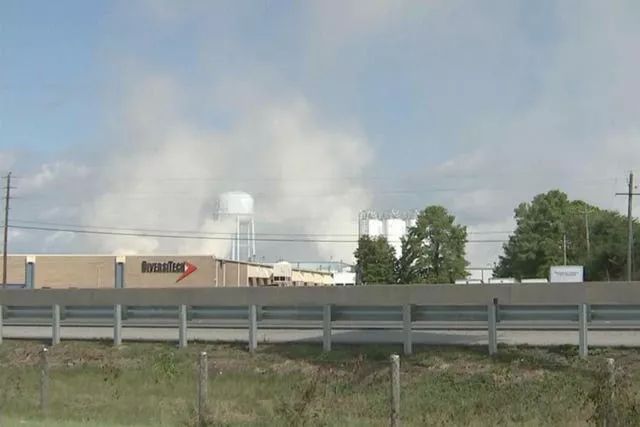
{"x": 608, "y": 254}
{"x": 433, "y": 251}
{"x": 538, "y": 240}
{"x": 595, "y": 238}
{"x": 375, "y": 260}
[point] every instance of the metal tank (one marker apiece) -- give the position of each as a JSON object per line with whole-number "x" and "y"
{"x": 236, "y": 203}
{"x": 374, "y": 228}
{"x": 395, "y": 229}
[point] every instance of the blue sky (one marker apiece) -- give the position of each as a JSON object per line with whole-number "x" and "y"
{"x": 54, "y": 69}
{"x": 494, "y": 100}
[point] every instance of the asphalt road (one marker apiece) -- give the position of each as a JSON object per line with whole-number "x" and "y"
{"x": 344, "y": 336}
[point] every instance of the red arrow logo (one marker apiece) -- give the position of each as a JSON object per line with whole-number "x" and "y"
{"x": 188, "y": 269}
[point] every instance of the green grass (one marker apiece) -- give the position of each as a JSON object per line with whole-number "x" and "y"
{"x": 19, "y": 422}
{"x": 97, "y": 385}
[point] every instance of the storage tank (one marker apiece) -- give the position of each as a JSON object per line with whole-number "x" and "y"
{"x": 374, "y": 228}
{"x": 395, "y": 229}
{"x": 237, "y": 204}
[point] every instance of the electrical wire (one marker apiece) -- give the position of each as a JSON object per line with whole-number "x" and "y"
{"x": 202, "y": 237}
{"x": 170, "y": 231}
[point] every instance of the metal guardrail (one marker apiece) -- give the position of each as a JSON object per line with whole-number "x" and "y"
{"x": 576, "y": 305}
{"x": 15, "y": 315}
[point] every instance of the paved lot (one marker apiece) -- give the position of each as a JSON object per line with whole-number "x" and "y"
{"x": 446, "y": 337}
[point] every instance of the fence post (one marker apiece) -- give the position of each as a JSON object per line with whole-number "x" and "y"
{"x": 326, "y": 327}
{"x": 203, "y": 381}
{"x": 394, "y": 420}
{"x": 44, "y": 382}
{"x": 117, "y": 324}
{"x": 253, "y": 328}
{"x": 493, "y": 326}
{"x": 183, "y": 327}
{"x": 582, "y": 330}
{"x": 55, "y": 333}
{"x": 611, "y": 413}
{"x": 407, "y": 329}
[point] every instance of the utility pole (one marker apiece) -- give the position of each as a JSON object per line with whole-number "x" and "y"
{"x": 630, "y": 195}
{"x": 564, "y": 247}
{"x": 7, "y": 197}
{"x": 587, "y": 233}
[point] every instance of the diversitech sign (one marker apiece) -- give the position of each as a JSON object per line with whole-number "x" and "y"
{"x": 185, "y": 268}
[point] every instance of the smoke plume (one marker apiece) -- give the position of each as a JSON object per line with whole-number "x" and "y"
{"x": 166, "y": 174}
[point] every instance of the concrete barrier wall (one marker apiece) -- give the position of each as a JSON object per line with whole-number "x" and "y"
{"x": 374, "y": 295}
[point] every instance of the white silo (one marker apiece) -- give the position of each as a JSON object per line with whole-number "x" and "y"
{"x": 239, "y": 206}
{"x": 374, "y": 228}
{"x": 394, "y": 230}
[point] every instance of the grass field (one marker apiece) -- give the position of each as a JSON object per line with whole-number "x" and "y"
{"x": 97, "y": 385}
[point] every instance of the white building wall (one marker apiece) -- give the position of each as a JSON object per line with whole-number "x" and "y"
{"x": 344, "y": 278}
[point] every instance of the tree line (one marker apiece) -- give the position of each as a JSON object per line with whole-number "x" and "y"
{"x": 550, "y": 229}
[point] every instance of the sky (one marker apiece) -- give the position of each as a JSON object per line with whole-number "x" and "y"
{"x": 133, "y": 116}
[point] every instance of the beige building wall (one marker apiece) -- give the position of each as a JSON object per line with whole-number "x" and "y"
{"x": 232, "y": 274}
{"x": 204, "y": 274}
{"x": 89, "y": 271}
{"x": 75, "y": 271}
{"x": 16, "y": 269}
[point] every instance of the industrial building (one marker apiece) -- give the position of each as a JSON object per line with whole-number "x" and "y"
{"x": 234, "y": 215}
{"x": 139, "y": 271}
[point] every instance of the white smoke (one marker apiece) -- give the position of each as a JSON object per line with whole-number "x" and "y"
{"x": 167, "y": 175}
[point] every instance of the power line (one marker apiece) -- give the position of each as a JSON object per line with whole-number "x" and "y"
{"x": 182, "y": 195}
{"x": 203, "y": 237}
{"x": 173, "y": 231}
{"x": 340, "y": 179}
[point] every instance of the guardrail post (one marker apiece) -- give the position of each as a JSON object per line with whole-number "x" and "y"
{"x": 407, "y": 329}
{"x": 55, "y": 333}
{"x": 492, "y": 326}
{"x": 117, "y": 324}
{"x": 326, "y": 327}
{"x": 183, "y": 326}
{"x": 582, "y": 330}
{"x": 1, "y": 324}
{"x": 253, "y": 327}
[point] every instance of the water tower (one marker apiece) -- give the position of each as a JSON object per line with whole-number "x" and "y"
{"x": 238, "y": 206}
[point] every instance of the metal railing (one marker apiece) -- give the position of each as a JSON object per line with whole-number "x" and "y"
{"x": 407, "y": 307}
